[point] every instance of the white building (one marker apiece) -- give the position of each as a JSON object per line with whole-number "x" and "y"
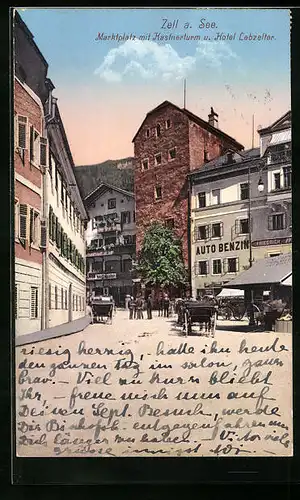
{"x": 65, "y": 274}
{"x": 110, "y": 238}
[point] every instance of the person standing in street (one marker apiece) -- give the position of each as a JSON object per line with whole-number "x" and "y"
{"x": 139, "y": 307}
{"x": 149, "y": 307}
{"x": 131, "y": 307}
{"x": 160, "y": 305}
{"x": 166, "y": 305}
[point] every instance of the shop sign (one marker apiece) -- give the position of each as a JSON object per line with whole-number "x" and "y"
{"x": 267, "y": 243}
{"x": 231, "y": 246}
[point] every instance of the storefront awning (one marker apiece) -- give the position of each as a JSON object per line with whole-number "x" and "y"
{"x": 273, "y": 270}
{"x": 288, "y": 281}
{"x": 231, "y": 292}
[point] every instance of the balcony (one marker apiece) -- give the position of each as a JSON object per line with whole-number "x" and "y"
{"x": 111, "y": 249}
{"x": 279, "y": 157}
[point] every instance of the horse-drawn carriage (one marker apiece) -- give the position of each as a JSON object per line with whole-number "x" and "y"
{"x": 102, "y": 309}
{"x": 203, "y": 314}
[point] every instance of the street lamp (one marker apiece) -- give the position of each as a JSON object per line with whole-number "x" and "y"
{"x": 260, "y": 188}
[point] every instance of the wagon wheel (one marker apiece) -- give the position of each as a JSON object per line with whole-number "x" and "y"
{"x": 227, "y": 312}
{"x": 237, "y": 314}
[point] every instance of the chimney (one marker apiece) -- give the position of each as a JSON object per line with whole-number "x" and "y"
{"x": 213, "y": 118}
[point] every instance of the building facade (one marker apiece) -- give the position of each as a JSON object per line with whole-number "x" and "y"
{"x": 66, "y": 283}
{"x": 238, "y": 212}
{"x": 29, "y": 162}
{"x": 44, "y": 269}
{"x": 170, "y": 143}
{"x": 110, "y": 238}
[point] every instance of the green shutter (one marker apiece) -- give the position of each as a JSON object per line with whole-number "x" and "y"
{"x": 50, "y": 222}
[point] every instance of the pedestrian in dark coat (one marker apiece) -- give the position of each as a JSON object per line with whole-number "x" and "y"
{"x": 160, "y": 305}
{"x": 166, "y": 303}
{"x": 149, "y": 307}
{"x": 139, "y": 308}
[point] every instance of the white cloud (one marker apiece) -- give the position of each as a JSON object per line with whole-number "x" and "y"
{"x": 214, "y": 53}
{"x": 149, "y": 60}
{"x": 146, "y": 59}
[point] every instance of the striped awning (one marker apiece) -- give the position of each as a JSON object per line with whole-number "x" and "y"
{"x": 280, "y": 137}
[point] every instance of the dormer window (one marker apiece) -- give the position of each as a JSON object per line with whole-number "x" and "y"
{"x": 157, "y": 130}
{"x": 168, "y": 123}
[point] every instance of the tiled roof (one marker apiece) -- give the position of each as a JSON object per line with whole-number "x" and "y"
{"x": 222, "y": 161}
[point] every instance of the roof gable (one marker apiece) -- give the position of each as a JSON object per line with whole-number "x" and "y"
{"x": 280, "y": 124}
{"x": 196, "y": 119}
{"x": 103, "y": 188}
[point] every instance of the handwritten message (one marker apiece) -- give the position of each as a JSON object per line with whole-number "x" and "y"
{"x": 194, "y": 396}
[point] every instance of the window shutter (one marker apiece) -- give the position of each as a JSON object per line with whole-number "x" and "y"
{"x": 237, "y": 264}
{"x": 207, "y": 267}
{"x": 22, "y": 129}
{"x": 208, "y": 231}
{"x": 221, "y": 229}
{"x": 43, "y": 226}
{"x": 225, "y": 266}
{"x": 50, "y": 222}
{"x": 43, "y": 151}
{"x": 270, "y": 222}
{"x": 237, "y": 226}
{"x": 31, "y": 152}
{"x": 31, "y": 226}
{"x": 34, "y": 302}
{"x": 23, "y": 221}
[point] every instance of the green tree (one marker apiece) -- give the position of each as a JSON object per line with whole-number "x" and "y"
{"x": 160, "y": 261}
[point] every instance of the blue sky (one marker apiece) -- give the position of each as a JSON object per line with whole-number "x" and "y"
{"x": 229, "y": 72}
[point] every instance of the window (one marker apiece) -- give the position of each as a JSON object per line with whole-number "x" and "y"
{"x": 49, "y": 298}
{"x": 158, "y": 193}
{"x": 277, "y": 222}
{"x": 217, "y": 230}
{"x": 244, "y": 191}
{"x": 172, "y": 154}
{"x": 203, "y": 267}
{"x": 217, "y": 266}
{"x": 125, "y": 217}
{"x": 34, "y": 146}
{"x": 202, "y": 199}
{"x": 158, "y": 131}
{"x": 244, "y": 226}
{"x": 148, "y": 133}
{"x": 55, "y": 298}
{"x": 110, "y": 240}
{"x": 21, "y": 135}
{"x": 34, "y": 302}
{"x": 134, "y": 216}
{"x": 168, "y": 123}
{"x": 215, "y": 197}
{"x": 129, "y": 239}
{"x": 62, "y": 298}
{"x": 43, "y": 151}
{"x": 276, "y": 177}
{"x": 16, "y": 218}
{"x": 112, "y": 203}
{"x": 232, "y": 265}
{"x": 169, "y": 223}
{"x": 66, "y": 299}
{"x": 145, "y": 165}
{"x": 158, "y": 159}
{"x": 287, "y": 177}
{"x": 203, "y": 232}
{"x": 34, "y": 227}
{"x": 274, "y": 254}
{"x": 16, "y": 301}
{"x": 23, "y": 212}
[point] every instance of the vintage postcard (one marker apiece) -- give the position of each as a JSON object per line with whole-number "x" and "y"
{"x": 152, "y": 299}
